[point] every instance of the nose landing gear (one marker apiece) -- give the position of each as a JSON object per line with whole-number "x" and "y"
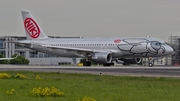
{"x": 150, "y": 64}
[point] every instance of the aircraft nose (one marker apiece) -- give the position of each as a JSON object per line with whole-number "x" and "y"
{"x": 169, "y": 50}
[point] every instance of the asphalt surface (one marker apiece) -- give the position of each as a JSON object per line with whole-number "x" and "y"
{"x": 169, "y": 71}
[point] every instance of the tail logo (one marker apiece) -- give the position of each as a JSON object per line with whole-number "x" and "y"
{"x": 32, "y": 28}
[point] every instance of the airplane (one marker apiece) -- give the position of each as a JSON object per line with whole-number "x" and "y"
{"x": 104, "y": 51}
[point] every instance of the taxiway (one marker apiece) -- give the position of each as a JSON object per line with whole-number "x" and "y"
{"x": 117, "y": 71}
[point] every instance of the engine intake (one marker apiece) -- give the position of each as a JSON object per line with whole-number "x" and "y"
{"x": 138, "y": 60}
{"x": 103, "y": 58}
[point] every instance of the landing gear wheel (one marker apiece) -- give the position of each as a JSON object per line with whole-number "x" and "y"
{"x": 150, "y": 64}
{"x": 112, "y": 64}
{"x": 87, "y": 63}
{"x": 108, "y": 64}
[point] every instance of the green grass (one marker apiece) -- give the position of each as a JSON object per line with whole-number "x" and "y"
{"x": 99, "y": 87}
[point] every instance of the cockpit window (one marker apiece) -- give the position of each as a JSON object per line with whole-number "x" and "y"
{"x": 156, "y": 45}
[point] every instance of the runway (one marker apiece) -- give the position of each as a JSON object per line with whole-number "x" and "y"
{"x": 116, "y": 71}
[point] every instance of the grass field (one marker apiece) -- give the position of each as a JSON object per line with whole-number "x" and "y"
{"x": 99, "y": 87}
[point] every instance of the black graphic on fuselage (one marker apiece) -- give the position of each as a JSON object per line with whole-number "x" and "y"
{"x": 140, "y": 47}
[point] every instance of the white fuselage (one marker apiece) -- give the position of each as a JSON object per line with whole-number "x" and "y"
{"x": 127, "y": 47}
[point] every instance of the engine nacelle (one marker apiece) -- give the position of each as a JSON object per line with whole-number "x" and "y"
{"x": 102, "y": 58}
{"x": 132, "y": 60}
{"x": 138, "y": 60}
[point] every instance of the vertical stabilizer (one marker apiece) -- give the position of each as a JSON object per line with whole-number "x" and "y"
{"x": 32, "y": 29}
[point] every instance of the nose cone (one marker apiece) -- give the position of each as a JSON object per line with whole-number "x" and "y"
{"x": 169, "y": 50}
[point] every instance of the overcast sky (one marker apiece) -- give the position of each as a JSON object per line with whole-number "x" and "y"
{"x": 94, "y": 18}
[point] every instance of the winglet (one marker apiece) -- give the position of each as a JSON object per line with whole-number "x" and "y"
{"x": 16, "y": 56}
{"x": 32, "y": 29}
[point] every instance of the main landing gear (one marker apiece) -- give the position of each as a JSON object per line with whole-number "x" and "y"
{"x": 108, "y": 64}
{"x": 87, "y": 63}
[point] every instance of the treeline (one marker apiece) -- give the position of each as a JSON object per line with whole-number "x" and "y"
{"x": 17, "y": 60}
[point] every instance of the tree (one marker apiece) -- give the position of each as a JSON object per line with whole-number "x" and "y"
{"x": 82, "y": 60}
{"x": 3, "y": 61}
{"x": 19, "y": 60}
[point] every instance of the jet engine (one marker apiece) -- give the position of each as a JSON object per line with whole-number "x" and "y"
{"x": 132, "y": 60}
{"x": 102, "y": 58}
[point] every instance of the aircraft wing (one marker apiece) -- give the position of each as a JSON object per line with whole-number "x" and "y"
{"x": 8, "y": 58}
{"x": 19, "y": 42}
{"x": 73, "y": 49}
{"x": 61, "y": 47}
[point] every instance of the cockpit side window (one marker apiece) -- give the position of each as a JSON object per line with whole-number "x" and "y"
{"x": 156, "y": 45}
